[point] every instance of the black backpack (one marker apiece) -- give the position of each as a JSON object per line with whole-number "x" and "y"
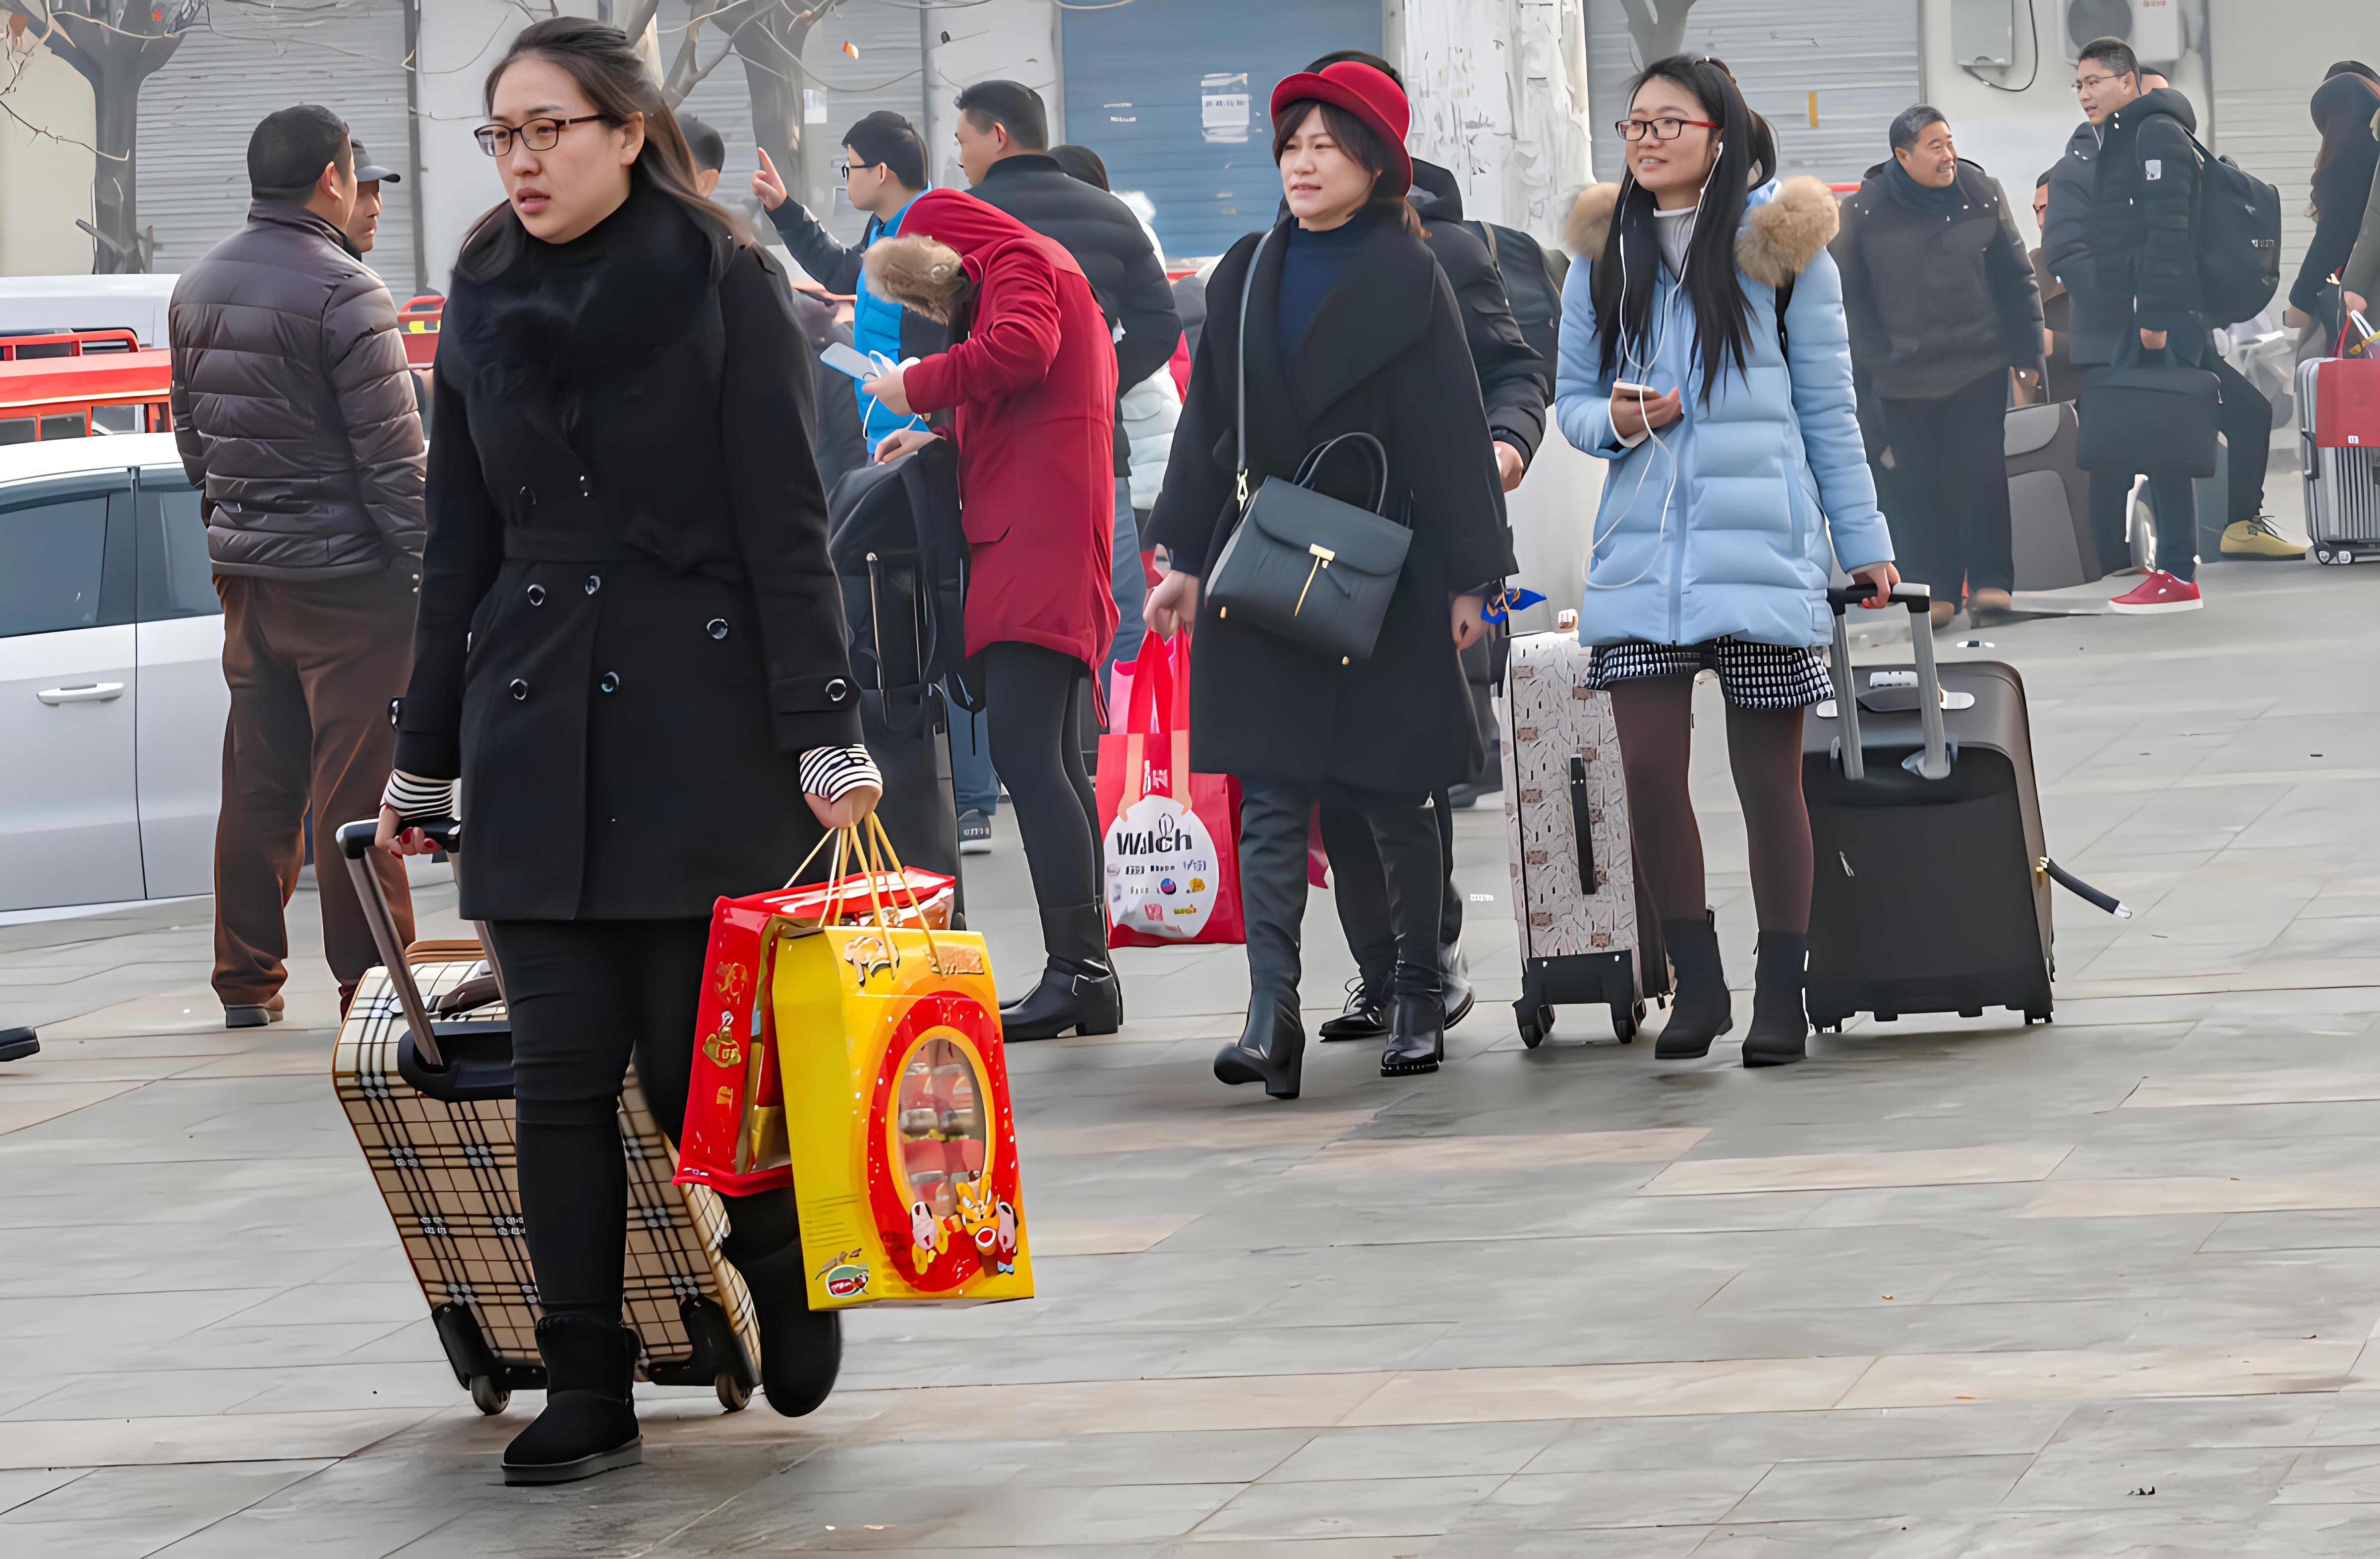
{"x": 2235, "y": 225}
{"x": 1533, "y": 282}
{"x": 893, "y": 536}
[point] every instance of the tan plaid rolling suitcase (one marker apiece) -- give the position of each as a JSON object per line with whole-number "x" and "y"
{"x": 423, "y": 1068}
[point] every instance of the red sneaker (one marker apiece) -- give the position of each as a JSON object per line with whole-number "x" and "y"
{"x": 2159, "y": 592}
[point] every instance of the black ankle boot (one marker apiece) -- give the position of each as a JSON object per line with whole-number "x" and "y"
{"x": 1417, "y": 1035}
{"x": 801, "y": 1350}
{"x": 1780, "y": 1034}
{"x": 1271, "y": 1050}
{"x": 1454, "y": 981}
{"x": 1078, "y": 987}
{"x": 1699, "y": 1012}
{"x": 589, "y": 1423}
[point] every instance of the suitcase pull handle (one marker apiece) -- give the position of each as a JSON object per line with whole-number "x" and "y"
{"x": 356, "y": 844}
{"x": 1934, "y": 764}
{"x": 2084, "y": 891}
{"x": 1581, "y": 823}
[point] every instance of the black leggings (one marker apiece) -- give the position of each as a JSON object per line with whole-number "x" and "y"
{"x": 1763, "y": 748}
{"x": 584, "y": 995}
{"x": 1030, "y": 700}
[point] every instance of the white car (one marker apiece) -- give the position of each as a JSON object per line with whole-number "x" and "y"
{"x": 112, "y": 695}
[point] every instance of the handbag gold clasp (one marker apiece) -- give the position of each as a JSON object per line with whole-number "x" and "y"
{"x": 1323, "y": 558}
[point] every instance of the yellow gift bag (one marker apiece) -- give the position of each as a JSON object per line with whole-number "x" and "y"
{"x": 896, "y": 1104}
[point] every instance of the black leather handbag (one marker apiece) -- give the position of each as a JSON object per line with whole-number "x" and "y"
{"x": 2157, "y": 422}
{"x": 1301, "y": 564}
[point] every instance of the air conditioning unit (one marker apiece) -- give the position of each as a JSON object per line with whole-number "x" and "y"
{"x": 2152, "y": 27}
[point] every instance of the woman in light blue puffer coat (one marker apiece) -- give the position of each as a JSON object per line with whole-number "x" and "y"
{"x": 1737, "y": 476}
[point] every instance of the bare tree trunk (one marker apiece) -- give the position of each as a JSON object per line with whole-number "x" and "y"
{"x": 115, "y": 105}
{"x": 1656, "y": 36}
{"x": 116, "y": 47}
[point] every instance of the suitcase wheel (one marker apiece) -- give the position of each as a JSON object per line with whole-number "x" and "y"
{"x": 1535, "y": 1025}
{"x": 1626, "y": 1020}
{"x": 488, "y": 1396}
{"x": 733, "y": 1394}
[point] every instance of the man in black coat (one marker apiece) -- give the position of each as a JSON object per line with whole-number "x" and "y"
{"x": 2133, "y": 239}
{"x": 1003, "y": 140}
{"x": 296, "y": 417}
{"x": 1939, "y": 299}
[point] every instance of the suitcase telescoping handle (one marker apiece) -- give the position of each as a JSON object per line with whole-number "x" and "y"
{"x": 356, "y": 844}
{"x": 1935, "y": 761}
{"x": 1581, "y": 823}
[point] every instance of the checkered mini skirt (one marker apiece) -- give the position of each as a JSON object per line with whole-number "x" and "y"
{"x": 1749, "y": 675}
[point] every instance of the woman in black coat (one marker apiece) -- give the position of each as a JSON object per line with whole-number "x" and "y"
{"x": 630, "y": 650}
{"x": 1351, "y": 327}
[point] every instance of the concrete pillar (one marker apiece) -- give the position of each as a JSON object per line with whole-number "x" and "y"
{"x": 997, "y": 40}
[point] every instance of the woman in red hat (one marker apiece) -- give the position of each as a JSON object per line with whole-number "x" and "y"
{"x": 1027, "y": 391}
{"x": 1349, "y": 327}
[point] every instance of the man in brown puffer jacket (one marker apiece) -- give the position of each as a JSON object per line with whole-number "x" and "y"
{"x": 296, "y": 420}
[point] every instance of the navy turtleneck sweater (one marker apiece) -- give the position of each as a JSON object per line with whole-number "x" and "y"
{"x": 1310, "y": 267}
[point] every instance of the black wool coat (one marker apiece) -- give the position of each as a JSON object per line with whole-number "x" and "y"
{"x": 628, "y": 630}
{"x": 1384, "y": 355}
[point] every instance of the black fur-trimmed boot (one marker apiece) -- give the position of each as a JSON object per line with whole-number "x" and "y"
{"x": 1780, "y": 1034}
{"x": 1699, "y": 1012}
{"x": 589, "y": 1423}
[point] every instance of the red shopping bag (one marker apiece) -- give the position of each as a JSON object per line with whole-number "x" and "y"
{"x": 1172, "y": 837}
{"x": 734, "y": 1138}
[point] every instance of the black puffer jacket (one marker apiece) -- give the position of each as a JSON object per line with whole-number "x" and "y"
{"x": 1515, "y": 380}
{"x": 2140, "y": 253}
{"x": 292, "y": 404}
{"x": 1935, "y": 301}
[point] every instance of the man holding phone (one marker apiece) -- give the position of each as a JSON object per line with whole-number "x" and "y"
{"x": 883, "y": 170}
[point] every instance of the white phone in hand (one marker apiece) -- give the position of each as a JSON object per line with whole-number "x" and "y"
{"x": 858, "y": 364}
{"x": 1622, "y": 387}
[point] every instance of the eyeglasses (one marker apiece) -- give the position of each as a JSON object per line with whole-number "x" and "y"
{"x": 846, "y": 168}
{"x": 2083, "y": 83}
{"x": 538, "y": 135}
{"x": 1663, "y": 128}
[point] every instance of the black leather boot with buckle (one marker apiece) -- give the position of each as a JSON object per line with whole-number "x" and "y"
{"x": 1078, "y": 989}
{"x": 589, "y": 1423}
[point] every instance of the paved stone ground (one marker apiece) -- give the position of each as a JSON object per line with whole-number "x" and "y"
{"x": 1951, "y": 1290}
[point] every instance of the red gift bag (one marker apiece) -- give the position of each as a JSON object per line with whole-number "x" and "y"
{"x": 1172, "y": 837}
{"x": 734, "y": 1137}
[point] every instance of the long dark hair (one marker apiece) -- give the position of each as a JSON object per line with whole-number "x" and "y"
{"x": 607, "y": 68}
{"x": 1356, "y": 139}
{"x": 2343, "y": 106}
{"x": 1621, "y": 283}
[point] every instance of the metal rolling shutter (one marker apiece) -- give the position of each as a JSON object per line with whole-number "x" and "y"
{"x": 1851, "y": 65}
{"x": 197, "y": 113}
{"x": 1172, "y": 98}
{"x": 889, "y": 73}
{"x": 2263, "y": 121}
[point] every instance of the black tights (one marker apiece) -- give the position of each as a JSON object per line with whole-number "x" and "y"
{"x": 584, "y": 995}
{"x": 1030, "y": 697}
{"x": 1763, "y": 748}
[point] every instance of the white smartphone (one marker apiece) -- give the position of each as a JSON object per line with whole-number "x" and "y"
{"x": 1622, "y": 387}
{"x": 850, "y": 359}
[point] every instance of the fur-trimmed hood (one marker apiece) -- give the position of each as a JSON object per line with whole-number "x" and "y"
{"x": 919, "y": 273}
{"x": 948, "y": 239}
{"x": 1786, "y": 223}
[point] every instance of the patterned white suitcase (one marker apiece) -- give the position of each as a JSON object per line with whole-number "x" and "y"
{"x": 1588, "y": 932}
{"x": 2342, "y": 484}
{"x": 441, "y": 1153}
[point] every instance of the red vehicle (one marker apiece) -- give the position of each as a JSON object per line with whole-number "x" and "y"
{"x": 77, "y": 383}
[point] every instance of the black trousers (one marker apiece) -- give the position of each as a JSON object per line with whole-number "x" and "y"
{"x": 1359, "y": 886}
{"x": 1949, "y": 496}
{"x": 584, "y": 997}
{"x": 1033, "y": 704}
{"x": 1272, "y": 882}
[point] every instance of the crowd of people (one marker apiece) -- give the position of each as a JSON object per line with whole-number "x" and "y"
{"x": 602, "y": 605}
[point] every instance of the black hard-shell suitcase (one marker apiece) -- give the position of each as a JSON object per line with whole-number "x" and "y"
{"x": 909, "y": 732}
{"x": 1931, "y": 885}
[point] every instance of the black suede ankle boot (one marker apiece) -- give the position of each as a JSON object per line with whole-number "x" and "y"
{"x": 1780, "y": 1034}
{"x": 1699, "y": 1012}
{"x": 589, "y": 1423}
{"x": 1270, "y": 1048}
{"x": 801, "y": 1350}
{"x": 1078, "y": 989}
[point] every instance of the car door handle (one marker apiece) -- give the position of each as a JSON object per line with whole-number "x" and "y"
{"x": 89, "y": 692}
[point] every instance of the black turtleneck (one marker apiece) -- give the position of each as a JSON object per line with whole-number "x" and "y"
{"x": 1310, "y": 267}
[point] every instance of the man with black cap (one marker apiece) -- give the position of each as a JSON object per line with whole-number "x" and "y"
{"x": 363, "y": 227}
{"x": 294, "y": 416}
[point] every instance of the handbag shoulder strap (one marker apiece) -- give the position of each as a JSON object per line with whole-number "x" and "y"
{"x": 1247, "y": 290}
